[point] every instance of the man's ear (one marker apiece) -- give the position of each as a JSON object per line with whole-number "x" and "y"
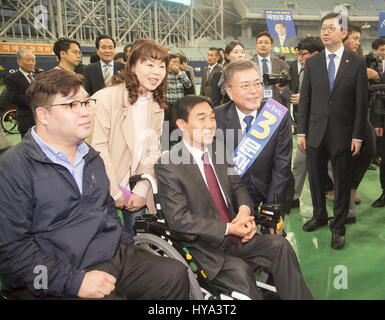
{"x": 228, "y": 91}
{"x": 180, "y": 123}
{"x": 41, "y": 115}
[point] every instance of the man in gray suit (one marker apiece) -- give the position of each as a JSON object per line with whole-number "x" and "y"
{"x": 268, "y": 64}
{"x": 201, "y": 193}
{"x": 209, "y": 71}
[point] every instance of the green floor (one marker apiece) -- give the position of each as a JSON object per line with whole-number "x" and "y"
{"x": 357, "y": 271}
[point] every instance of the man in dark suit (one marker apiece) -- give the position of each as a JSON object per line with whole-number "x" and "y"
{"x": 268, "y": 64}
{"x": 331, "y": 119}
{"x": 209, "y": 71}
{"x": 17, "y": 84}
{"x": 201, "y": 193}
{"x": 282, "y": 39}
{"x": 99, "y": 74}
{"x": 271, "y": 171}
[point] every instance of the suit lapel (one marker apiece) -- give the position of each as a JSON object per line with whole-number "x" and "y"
{"x": 233, "y": 123}
{"x": 99, "y": 74}
{"x": 321, "y": 64}
{"x": 341, "y": 69}
{"x": 126, "y": 121}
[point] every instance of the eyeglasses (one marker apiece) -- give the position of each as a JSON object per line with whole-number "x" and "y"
{"x": 247, "y": 86}
{"x": 77, "y": 52}
{"x": 76, "y": 106}
{"x": 302, "y": 54}
{"x": 328, "y": 29}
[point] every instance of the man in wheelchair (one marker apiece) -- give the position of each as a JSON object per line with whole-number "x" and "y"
{"x": 200, "y": 193}
{"x": 60, "y": 234}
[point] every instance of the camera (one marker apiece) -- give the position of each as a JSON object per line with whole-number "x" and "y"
{"x": 268, "y": 215}
{"x": 374, "y": 62}
{"x": 282, "y": 78}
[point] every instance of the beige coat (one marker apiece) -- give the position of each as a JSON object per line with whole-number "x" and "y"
{"x": 114, "y": 137}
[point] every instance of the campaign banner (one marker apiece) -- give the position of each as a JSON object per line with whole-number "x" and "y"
{"x": 280, "y": 24}
{"x": 13, "y": 48}
{"x": 381, "y": 24}
{"x": 258, "y": 136}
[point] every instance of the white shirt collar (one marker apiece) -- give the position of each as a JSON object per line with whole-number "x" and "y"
{"x": 241, "y": 115}
{"x": 25, "y": 73}
{"x": 267, "y": 58}
{"x": 195, "y": 152}
{"x": 338, "y": 53}
{"x": 102, "y": 63}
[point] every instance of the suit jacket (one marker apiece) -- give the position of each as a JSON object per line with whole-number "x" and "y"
{"x": 293, "y": 72}
{"x": 189, "y": 208}
{"x": 114, "y": 137}
{"x": 289, "y": 42}
{"x": 277, "y": 66}
{"x": 270, "y": 172}
{"x": 17, "y": 84}
{"x": 339, "y": 113}
{"x": 93, "y": 76}
{"x": 207, "y": 82}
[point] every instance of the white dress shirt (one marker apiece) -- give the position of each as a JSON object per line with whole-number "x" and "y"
{"x": 337, "y": 58}
{"x": 242, "y": 115}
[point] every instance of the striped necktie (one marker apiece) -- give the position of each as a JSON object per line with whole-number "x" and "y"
{"x": 107, "y": 75}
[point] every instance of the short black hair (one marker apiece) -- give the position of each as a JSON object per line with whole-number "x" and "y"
{"x": 340, "y": 19}
{"x": 63, "y": 44}
{"x": 266, "y": 34}
{"x": 352, "y": 28}
{"x": 184, "y": 105}
{"x": 311, "y": 44}
{"x": 173, "y": 56}
{"x": 378, "y": 43}
{"x": 182, "y": 58}
{"x": 103, "y": 36}
{"x": 121, "y": 55}
{"x": 216, "y": 50}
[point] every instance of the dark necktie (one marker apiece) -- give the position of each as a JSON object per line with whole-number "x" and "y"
{"x": 216, "y": 193}
{"x": 331, "y": 70}
{"x": 248, "y": 119}
{"x": 300, "y": 80}
{"x": 265, "y": 68}
{"x": 30, "y": 77}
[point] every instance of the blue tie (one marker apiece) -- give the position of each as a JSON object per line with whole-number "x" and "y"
{"x": 248, "y": 119}
{"x": 331, "y": 70}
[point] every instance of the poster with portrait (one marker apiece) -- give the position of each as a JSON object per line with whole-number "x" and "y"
{"x": 280, "y": 24}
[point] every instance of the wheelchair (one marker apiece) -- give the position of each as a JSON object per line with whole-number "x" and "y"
{"x": 154, "y": 235}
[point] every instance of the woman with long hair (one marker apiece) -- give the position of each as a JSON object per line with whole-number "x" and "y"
{"x": 233, "y": 51}
{"x": 128, "y": 124}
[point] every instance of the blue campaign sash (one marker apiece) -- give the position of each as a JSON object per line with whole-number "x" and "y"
{"x": 258, "y": 136}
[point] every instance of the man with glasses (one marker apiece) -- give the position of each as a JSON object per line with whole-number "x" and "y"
{"x": 331, "y": 119}
{"x": 99, "y": 74}
{"x": 307, "y": 48}
{"x": 270, "y": 172}
{"x": 60, "y": 234}
{"x": 68, "y": 53}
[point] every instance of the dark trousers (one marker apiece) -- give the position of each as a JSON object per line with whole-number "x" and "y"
{"x": 342, "y": 164}
{"x": 363, "y": 160}
{"x": 140, "y": 275}
{"x": 382, "y": 164}
{"x": 272, "y": 252}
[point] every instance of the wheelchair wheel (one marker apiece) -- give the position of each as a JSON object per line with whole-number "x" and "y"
{"x": 9, "y": 121}
{"x": 158, "y": 246}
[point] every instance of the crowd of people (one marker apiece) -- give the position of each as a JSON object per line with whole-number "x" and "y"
{"x": 87, "y": 129}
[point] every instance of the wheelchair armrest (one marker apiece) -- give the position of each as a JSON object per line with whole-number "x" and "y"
{"x": 150, "y": 224}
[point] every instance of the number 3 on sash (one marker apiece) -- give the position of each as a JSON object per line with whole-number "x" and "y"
{"x": 265, "y": 125}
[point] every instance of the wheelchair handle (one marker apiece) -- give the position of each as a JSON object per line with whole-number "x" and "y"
{"x": 154, "y": 186}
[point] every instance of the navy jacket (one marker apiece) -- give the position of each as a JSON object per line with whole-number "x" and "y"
{"x": 270, "y": 172}
{"x": 45, "y": 221}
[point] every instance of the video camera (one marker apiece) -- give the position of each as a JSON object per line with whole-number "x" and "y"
{"x": 377, "y": 97}
{"x": 268, "y": 215}
{"x": 282, "y": 78}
